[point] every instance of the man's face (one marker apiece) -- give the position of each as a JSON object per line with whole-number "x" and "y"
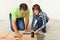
{"x": 36, "y": 12}
{"x": 23, "y": 11}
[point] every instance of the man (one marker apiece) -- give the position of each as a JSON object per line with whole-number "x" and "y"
{"x": 17, "y": 17}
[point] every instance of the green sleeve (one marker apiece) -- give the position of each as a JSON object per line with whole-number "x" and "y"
{"x": 13, "y": 12}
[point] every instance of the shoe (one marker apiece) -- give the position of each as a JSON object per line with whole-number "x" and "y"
{"x": 44, "y": 30}
{"x": 32, "y": 34}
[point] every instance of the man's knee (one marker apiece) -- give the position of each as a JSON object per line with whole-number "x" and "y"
{"x": 21, "y": 26}
{"x": 12, "y": 29}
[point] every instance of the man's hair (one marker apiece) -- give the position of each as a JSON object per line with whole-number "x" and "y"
{"x": 23, "y": 6}
{"x": 37, "y": 7}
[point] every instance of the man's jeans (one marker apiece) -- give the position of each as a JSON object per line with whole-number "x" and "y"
{"x": 19, "y": 23}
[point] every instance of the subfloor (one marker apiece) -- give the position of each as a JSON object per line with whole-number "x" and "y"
{"x": 53, "y": 32}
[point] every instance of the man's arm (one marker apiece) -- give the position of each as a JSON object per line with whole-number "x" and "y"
{"x": 14, "y": 26}
{"x": 26, "y": 23}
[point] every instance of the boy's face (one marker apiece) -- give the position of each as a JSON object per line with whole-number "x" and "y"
{"x": 36, "y": 12}
{"x": 23, "y": 11}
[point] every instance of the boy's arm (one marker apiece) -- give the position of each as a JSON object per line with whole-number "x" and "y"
{"x": 42, "y": 25}
{"x": 43, "y": 22}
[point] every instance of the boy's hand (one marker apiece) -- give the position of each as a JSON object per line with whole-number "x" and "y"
{"x": 37, "y": 31}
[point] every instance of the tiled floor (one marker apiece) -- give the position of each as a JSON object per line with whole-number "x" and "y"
{"x": 53, "y": 31}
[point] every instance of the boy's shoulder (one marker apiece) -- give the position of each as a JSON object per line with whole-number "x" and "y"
{"x": 43, "y": 13}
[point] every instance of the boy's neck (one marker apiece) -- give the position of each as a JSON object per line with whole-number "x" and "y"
{"x": 40, "y": 13}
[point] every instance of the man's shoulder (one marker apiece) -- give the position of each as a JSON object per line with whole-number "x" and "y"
{"x": 14, "y": 9}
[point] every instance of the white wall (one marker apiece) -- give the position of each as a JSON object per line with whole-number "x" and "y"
{"x": 7, "y": 5}
{"x": 51, "y": 7}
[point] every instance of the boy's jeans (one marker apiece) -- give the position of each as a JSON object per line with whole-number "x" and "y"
{"x": 38, "y": 24}
{"x": 19, "y": 23}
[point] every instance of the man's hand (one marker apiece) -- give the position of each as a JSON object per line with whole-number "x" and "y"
{"x": 27, "y": 30}
{"x": 26, "y": 24}
{"x": 15, "y": 28}
{"x": 18, "y": 35}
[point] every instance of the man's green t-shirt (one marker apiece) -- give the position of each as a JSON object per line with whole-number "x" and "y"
{"x": 16, "y": 13}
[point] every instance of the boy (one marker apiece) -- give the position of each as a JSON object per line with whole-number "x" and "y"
{"x": 17, "y": 19}
{"x": 40, "y": 19}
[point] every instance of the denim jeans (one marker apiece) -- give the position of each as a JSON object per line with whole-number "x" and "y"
{"x": 39, "y": 24}
{"x": 19, "y": 23}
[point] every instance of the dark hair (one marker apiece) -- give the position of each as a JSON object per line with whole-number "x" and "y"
{"x": 37, "y": 7}
{"x": 23, "y": 6}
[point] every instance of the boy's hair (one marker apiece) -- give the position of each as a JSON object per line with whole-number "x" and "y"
{"x": 37, "y": 7}
{"x": 23, "y": 6}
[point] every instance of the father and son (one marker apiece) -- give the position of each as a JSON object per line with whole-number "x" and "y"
{"x": 19, "y": 19}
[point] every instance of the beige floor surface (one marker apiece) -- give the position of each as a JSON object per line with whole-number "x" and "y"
{"x": 11, "y": 36}
{"x": 53, "y": 31}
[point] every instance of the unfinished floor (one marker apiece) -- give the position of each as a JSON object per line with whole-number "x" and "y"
{"x": 53, "y": 32}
